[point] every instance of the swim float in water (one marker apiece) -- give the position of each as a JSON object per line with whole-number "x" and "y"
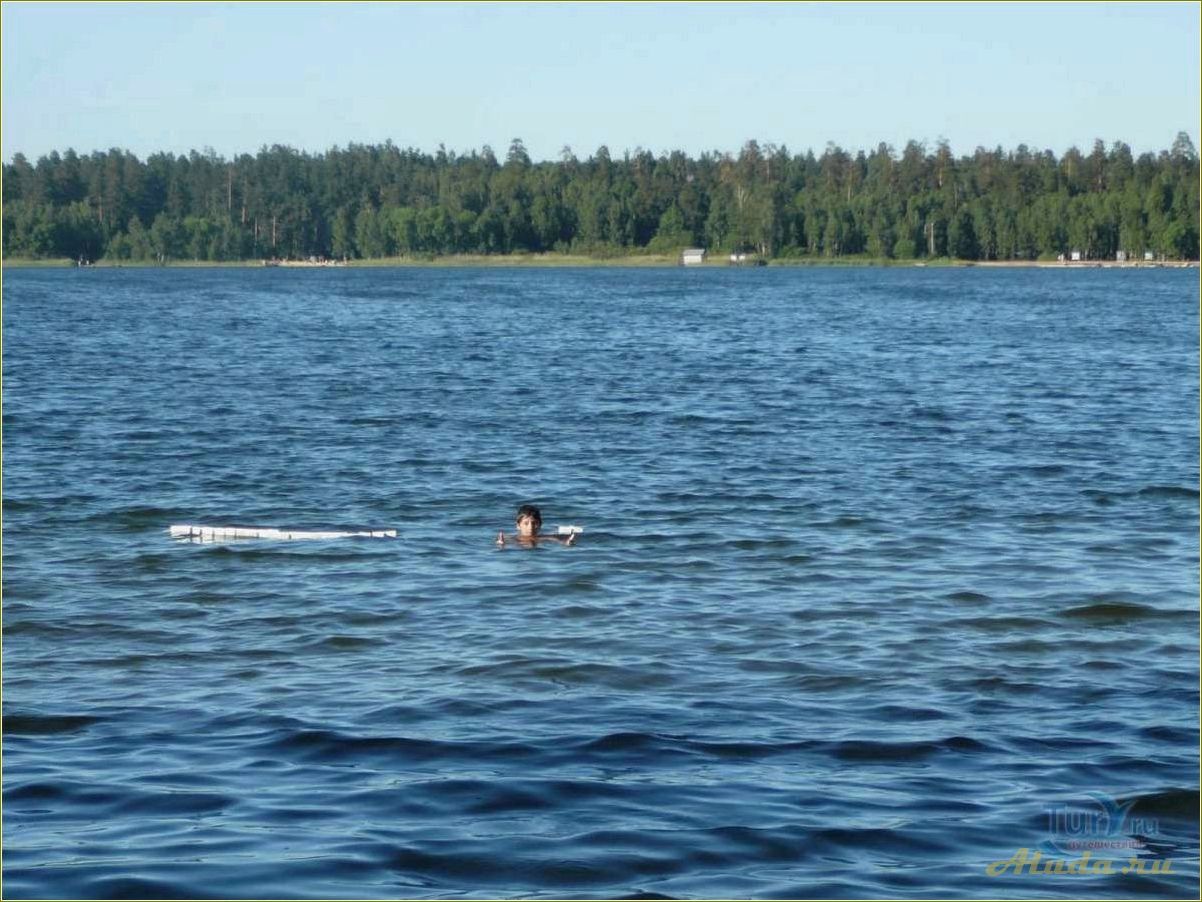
{"x": 225, "y": 533}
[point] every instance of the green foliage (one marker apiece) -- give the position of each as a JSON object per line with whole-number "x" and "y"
{"x": 671, "y": 235}
{"x": 905, "y": 248}
{"x": 377, "y": 201}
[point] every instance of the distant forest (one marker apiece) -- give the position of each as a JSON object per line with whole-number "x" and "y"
{"x": 380, "y": 201}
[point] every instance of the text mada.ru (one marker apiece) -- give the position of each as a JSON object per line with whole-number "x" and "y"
{"x": 1024, "y": 861}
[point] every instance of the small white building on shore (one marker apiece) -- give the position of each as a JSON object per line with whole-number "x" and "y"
{"x": 692, "y": 256}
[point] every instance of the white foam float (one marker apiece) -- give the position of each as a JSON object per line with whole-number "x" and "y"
{"x": 228, "y": 533}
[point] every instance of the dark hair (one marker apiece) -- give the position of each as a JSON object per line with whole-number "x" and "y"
{"x": 531, "y": 510}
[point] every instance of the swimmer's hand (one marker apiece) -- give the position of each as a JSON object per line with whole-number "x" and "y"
{"x": 501, "y": 539}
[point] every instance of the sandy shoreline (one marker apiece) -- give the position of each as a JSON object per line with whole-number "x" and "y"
{"x": 1083, "y": 264}
{"x": 642, "y": 260}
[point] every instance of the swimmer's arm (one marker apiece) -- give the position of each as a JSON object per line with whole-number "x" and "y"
{"x": 503, "y": 542}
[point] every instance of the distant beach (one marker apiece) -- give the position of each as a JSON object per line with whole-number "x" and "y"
{"x": 582, "y": 260}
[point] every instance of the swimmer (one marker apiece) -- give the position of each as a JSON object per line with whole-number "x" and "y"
{"x": 529, "y": 521}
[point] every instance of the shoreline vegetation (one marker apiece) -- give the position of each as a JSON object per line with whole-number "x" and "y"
{"x": 568, "y": 261}
{"x": 386, "y": 205}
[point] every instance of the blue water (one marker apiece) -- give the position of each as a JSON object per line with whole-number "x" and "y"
{"x": 882, "y": 569}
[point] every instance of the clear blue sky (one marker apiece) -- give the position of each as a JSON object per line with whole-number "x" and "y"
{"x": 663, "y": 76}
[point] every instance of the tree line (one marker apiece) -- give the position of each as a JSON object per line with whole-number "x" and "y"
{"x": 371, "y": 201}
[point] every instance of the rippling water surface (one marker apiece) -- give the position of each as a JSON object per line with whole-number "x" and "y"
{"x": 884, "y": 572}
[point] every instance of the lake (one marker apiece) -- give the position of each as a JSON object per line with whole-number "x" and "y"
{"x": 888, "y": 585}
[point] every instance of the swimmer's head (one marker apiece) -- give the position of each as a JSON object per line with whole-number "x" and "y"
{"x": 529, "y": 520}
